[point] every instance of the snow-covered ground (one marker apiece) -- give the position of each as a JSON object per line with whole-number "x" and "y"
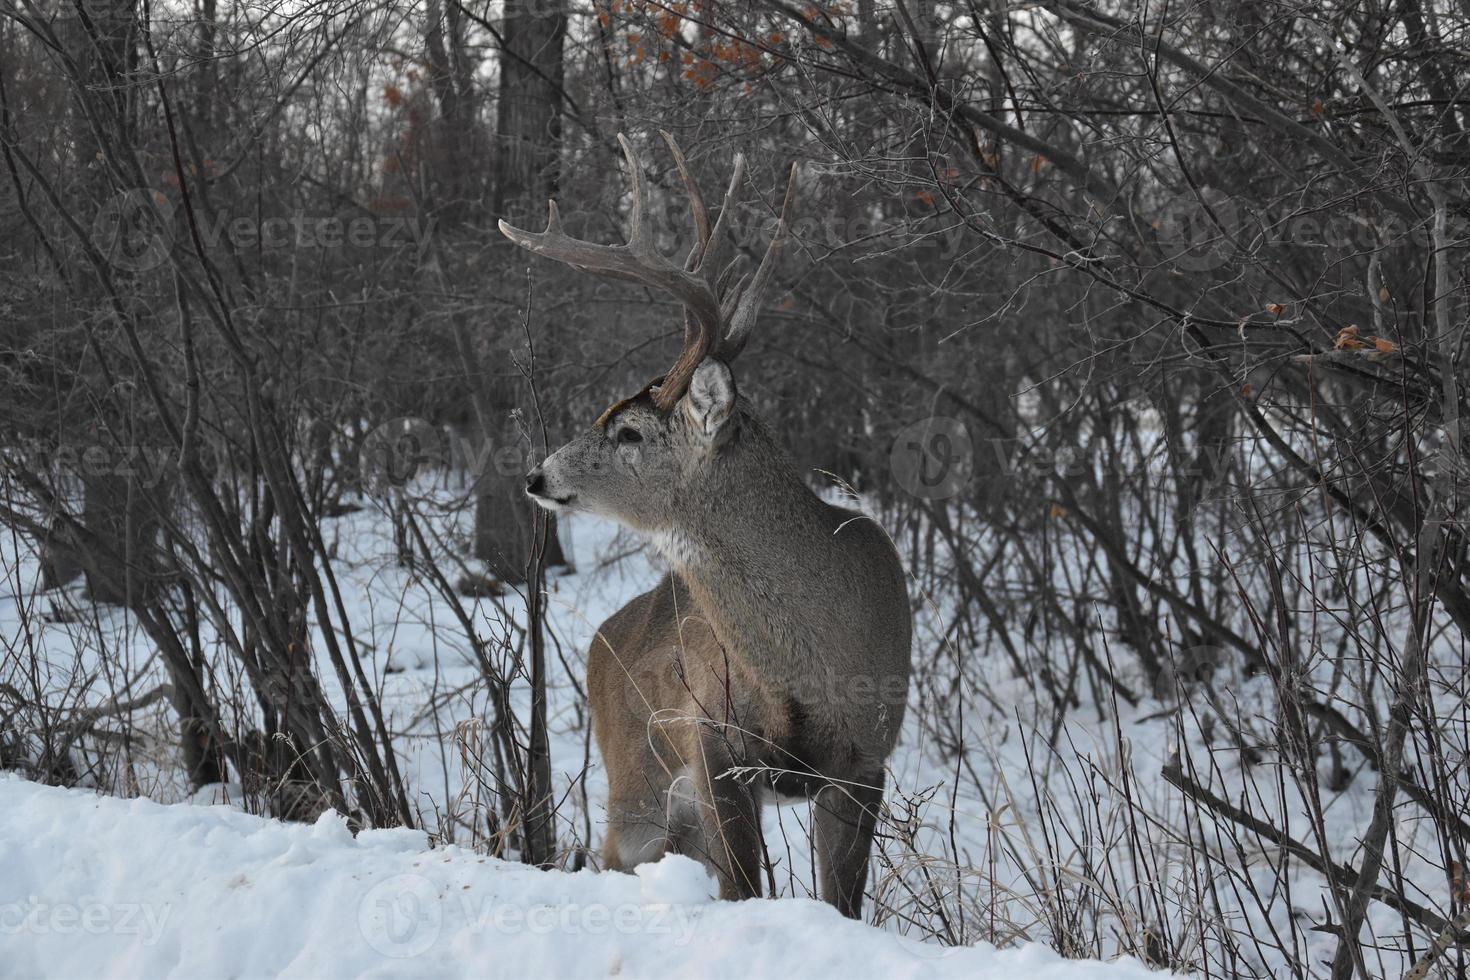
{"x": 97, "y": 886}
{"x": 1003, "y": 826}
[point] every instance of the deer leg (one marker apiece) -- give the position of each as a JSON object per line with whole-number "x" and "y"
{"x": 726, "y": 832}
{"x": 639, "y": 823}
{"x": 846, "y": 815}
{"x": 636, "y": 834}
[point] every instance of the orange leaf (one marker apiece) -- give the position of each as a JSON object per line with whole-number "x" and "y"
{"x": 1383, "y": 294}
{"x": 1247, "y": 390}
{"x": 1317, "y": 109}
{"x": 926, "y": 197}
{"x": 1347, "y": 339}
{"x": 1037, "y": 162}
{"x": 1385, "y": 346}
{"x": 1057, "y": 511}
{"x": 1275, "y": 309}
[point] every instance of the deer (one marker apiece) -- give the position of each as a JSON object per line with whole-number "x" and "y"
{"x": 771, "y": 662}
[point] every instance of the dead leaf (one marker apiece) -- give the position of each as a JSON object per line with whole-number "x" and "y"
{"x": 1385, "y": 346}
{"x": 1275, "y": 309}
{"x": 1347, "y": 339}
{"x": 1458, "y": 885}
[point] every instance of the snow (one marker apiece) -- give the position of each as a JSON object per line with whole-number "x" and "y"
{"x": 1053, "y": 833}
{"x": 102, "y": 886}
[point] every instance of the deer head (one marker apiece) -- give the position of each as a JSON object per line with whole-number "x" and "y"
{"x": 645, "y": 451}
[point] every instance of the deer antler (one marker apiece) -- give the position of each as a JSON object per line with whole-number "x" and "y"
{"x": 711, "y": 326}
{"x": 750, "y": 293}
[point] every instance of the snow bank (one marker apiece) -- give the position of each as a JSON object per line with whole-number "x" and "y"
{"x": 93, "y": 886}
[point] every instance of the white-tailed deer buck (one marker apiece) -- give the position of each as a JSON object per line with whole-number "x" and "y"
{"x": 774, "y": 657}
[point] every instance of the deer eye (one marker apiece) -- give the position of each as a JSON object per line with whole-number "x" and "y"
{"x": 628, "y": 436}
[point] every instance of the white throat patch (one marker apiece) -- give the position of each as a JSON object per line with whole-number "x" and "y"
{"x": 676, "y": 546}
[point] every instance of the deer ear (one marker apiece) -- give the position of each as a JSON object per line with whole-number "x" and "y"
{"x": 710, "y": 402}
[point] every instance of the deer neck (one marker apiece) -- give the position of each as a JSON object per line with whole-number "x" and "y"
{"x": 751, "y": 545}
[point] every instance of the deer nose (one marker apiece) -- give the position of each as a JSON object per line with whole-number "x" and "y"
{"x": 536, "y": 482}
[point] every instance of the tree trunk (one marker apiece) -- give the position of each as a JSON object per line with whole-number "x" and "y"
{"x": 528, "y": 133}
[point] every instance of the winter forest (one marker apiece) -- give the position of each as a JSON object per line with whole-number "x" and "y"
{"x": 1102, "y": 392}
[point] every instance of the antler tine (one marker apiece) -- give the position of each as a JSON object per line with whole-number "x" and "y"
{"x": 696, "y": 203}
{"x": 701, "y": 222}
{"x": 709, "y": 262}
{"x": 697, "y": 348}
{"x": 640, "y": 242}
{"x": 637, "y": 261}
{"x": 752, "y": 289}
